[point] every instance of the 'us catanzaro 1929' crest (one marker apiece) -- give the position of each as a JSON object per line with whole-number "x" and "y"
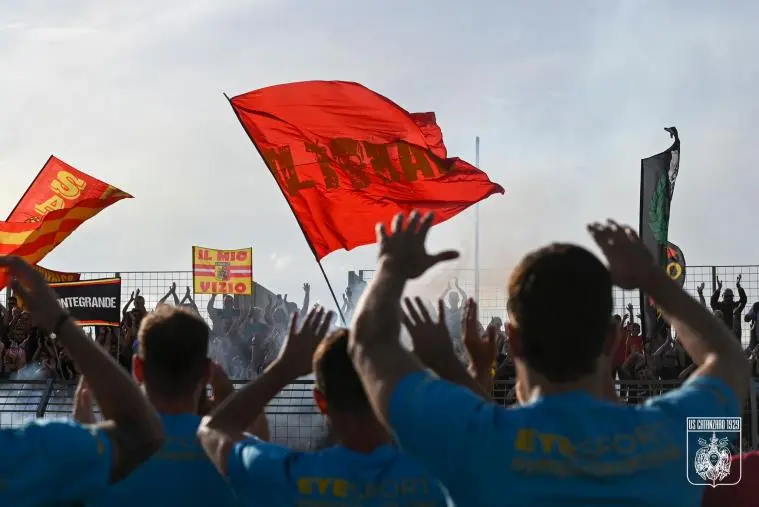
{"x": 711, "y": 444}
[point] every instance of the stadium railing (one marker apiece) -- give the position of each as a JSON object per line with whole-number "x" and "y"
{"x": 153, "y": 286}
{"x": 492, "y": 297}
{"x": 293, "y": 418}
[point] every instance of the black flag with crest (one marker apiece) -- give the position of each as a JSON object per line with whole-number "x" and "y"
{"x": 657, "y": 185}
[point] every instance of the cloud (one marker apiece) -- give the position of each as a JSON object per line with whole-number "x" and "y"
{"x": 566, "y": 104}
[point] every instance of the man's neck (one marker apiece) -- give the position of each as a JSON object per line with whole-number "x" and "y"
{"x": 173, "y": 406}
{"x": 360, "y": 434}
{"x": 539, "y": 386}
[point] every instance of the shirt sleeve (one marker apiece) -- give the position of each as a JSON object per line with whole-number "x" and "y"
{"x": 443, "y": 425}
{"x": 700, "y": 396}
{"x": 54, "y": 461}
{"x": 259, "y": 473}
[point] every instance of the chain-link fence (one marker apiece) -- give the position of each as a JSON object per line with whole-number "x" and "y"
{"x": 493, "y": 296}
{"x": 155, "y": 285}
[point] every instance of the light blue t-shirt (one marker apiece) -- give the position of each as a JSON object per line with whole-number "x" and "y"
{"x": 567, "y": 449}
{"x": 269, "y": 475}
{"x": 52, "y": 463}
{"x": 180, "y": 473}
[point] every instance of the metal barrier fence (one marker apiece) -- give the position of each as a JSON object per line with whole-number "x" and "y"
{"x": 155, "y": 284}
{"x": 293, "y": 418}
{"x": 493, "y": 295}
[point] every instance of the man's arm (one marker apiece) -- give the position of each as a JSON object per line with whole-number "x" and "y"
{"x": 220, "y": 432}
{"x": 714, "y": 300}
{"x": 708, "y": 342}
{"x": 434, "y": 348}
{"x": 126, "y": 306}
{"x": 132, "y": 424}
{"x": 378, "y": 356}
{"x": 742, "y": 299}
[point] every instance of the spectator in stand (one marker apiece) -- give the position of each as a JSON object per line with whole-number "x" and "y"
{"x": 620, "y": 354}
{"x": 700, "y": 291}
{"x": 15, "y": 353}
{"x": 365, "y": 468}
{"x": 669, "y": 360}
{"x": 454, "y": 296}
{"x": 538, "y": 453}
{"x": 61, "y": 462}
{"x": 134, "y": 316}
{"x": 173, "y": 368}
{"x": 172, "y": 293}
{"x": 730, "y": 309}
{"x": 222, "y": 319}
{"x": 348, "y": 303}
{"x": 46, "y": 356}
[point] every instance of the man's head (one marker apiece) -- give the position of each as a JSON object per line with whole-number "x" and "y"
{"x": 728, "y": 295}
{"x": 172, "y": 356}
{"x": 12, "y": 303}
{"x": 139, "y": 303}
{"x": 257, "y": 314}
{"x": 635, "y": 329}
{"x": 229, "y": 302}
{"x": 752, "y": 315}
{"x": 338, "y": 390}
{"x": 572, "y": 285}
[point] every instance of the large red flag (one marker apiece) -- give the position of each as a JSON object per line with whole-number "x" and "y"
{"x": 346, "y": 158}
{"x": 59, "y": 200}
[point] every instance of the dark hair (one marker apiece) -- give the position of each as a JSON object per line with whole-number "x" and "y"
{"x": 335, "y": 376}
{"x": 560, "y": 300}
{"x": 174, "y": 350}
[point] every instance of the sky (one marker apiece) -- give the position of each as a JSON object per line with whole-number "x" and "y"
{"x": 567, "y": 97}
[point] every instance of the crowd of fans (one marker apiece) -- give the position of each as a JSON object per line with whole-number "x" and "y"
{"x": 402, "y": 435}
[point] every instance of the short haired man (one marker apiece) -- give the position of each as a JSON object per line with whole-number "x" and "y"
{"x": 568, "y": 445}
{"x": 173, "y": 367}
{"x": 365, "y": 468}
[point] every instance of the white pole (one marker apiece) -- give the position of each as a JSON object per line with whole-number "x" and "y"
{"x": 477, "y": 229}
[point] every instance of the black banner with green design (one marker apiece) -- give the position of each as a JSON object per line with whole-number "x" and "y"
{"x": 657, "y": 185}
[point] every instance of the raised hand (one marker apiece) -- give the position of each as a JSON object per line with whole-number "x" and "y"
{"x": 630, "y": 263}
{"x": 700, "y": 288}
{"x": 187, "y": 292}
{"x": 173, "y": 288}
{"x": 82, "y": 406}
{"x": 306, "y": 287}
{"x": 482, "y": 350}
{"x": 719, "y": 284}
{"x": 137, "y": 294}
{"x": 738, "y": 280}
{"x": 40, "y": 299}
{"x": 630, "y": 308}
{"x": 298, "y": 350}
{"x": 431, "y": 339}
{"x": 403, "y": 251}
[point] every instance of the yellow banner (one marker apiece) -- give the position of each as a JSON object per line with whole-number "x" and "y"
{"x": 222, "y": 271}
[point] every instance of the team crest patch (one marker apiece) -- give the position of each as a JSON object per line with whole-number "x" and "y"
{"x": 711, "y": 444}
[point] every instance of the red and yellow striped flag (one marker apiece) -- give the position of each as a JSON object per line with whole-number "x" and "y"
{"x": 59, "y": 200}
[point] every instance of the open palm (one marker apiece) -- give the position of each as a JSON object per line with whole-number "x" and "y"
{"x": 403, "y": 250}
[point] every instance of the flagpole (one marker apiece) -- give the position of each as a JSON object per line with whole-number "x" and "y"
{"x": 302, "y": 230}
{"x": 477, "y": 229}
